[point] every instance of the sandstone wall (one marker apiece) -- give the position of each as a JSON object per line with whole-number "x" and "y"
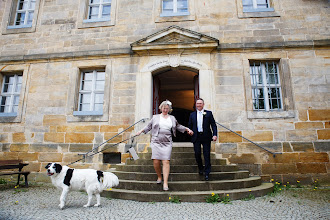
{"x": 50, "y": 57}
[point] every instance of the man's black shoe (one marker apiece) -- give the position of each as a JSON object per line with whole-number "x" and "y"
{"x": 206, "y": 177}
{"x": 200, "y": 172}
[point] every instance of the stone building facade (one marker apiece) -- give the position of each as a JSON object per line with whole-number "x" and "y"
{"x": 75, "y": 73}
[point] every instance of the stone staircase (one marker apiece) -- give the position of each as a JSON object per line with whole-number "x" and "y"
{"x": 138, "y": 179}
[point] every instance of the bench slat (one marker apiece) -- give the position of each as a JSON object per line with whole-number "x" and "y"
{"x": 10, "y": 162}
{"x": 1, "y": 174}
{"x": 14, "y": 164}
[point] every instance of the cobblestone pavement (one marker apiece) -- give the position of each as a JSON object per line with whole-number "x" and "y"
{"x": 41, "y": 202}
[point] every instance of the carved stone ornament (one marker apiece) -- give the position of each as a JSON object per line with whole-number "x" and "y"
{"x": 174, "y": 60}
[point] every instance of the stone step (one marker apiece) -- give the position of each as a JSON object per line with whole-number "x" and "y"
{"x": 175, "y": 155}
{"x": 191, "y": 185}
{"x": 181, "y": 176}
{"x": 174, "y": 168}
{"x": 187, "y": 196}
{"x": 180, "y": 147}
{"x": 179, "y": 161}
{"x": 183, "y": 144}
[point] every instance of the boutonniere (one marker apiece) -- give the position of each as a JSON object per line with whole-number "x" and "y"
{"x": 204, "y": 113}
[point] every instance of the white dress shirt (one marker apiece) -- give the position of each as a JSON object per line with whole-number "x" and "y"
{"x": 200, "y": 120}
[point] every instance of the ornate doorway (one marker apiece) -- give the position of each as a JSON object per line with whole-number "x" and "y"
{"x": 180, "y": 85}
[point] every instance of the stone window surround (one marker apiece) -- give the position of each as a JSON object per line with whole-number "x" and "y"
{"x": 285, "y": 78}
{"x": 83, "y": 22}
{"x": 24, "y": 70}
{"x": 73, "y": 92}
{"x": 160, "y": 19}
{"x": 271, "y": 12}
{"x": 10, "y": 11}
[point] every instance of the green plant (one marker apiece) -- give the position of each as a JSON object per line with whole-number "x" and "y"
{"x": 213, "y": 198}
{"x": 17, "y": 190}
{"x": 174, "y": 199}
{"x": 277, "y": 187}
{"x": 249, "y": 197}
{"x": 226, "y": 199}
{"x": 315, "y": 184}
{"x": 3, "y": 181}
{"x": 287, "y": 186}
{"x": 298, "y": 185}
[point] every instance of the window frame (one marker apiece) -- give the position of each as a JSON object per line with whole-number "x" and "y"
{"x": 160, "y": 17}
{"x": 272, "y": 11}
{"x": 288, "y": 110}
{"x": 19, "y": 70}
{"x": 73, "y": 115}
{"x": 265, "y": 86}
{"x": 12, "y": 94}
{"x": 84, "y": 22}
{"x": 8, "y": 23}
{"x": 255, "y": 7}
{"x": 175, "y": 10}
{"x": 92, "y": 92}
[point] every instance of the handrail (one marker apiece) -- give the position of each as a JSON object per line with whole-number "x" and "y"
{"x": 86, "y": 154}
{"x": 274, "y": 153}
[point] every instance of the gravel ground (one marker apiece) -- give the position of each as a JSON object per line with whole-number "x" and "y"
{"x": 41, "y": 202}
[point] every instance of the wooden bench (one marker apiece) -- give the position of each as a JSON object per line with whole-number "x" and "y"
{"x": 12, "y": 165}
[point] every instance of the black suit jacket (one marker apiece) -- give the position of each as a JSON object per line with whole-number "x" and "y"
{"x": 208, "y": 123}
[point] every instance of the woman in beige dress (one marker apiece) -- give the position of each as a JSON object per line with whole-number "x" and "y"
{"x": 161, "y": 126}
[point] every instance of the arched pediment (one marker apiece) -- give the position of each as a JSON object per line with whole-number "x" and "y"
{"x": 173, "y": 61}
{"x": 173, "y": 39}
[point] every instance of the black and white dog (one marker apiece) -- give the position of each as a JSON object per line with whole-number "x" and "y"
{"x": 90, "y": 180}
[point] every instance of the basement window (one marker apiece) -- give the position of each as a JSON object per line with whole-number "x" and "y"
{"x": 112, "y": 158}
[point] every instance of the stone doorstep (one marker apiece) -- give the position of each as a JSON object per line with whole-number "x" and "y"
{"x": 174, "y": 168}
{"x": 192, "y": 185}
{"x": 182, "y": 161}
{"x": 176, "y": 155}
{"x": 187, "y": 196}
{"x": 181, "y": 176}
{"x": 183, "y": 144}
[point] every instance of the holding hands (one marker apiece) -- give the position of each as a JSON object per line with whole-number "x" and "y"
{"x": 190, "y": 132}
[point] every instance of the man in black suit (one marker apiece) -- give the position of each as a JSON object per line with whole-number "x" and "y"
{"x": 200, "y": 122}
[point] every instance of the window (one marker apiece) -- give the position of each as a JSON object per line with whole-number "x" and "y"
{"x": 24, "y": 13}
{"x": 91, "y": 93}
{"x": 20, "y": 16}
{"x": 98, "y": 10}
{"x": 96, "y": 13}
{"x": 174, "y": 8}
{"x": 266, "y": 86}
{"x": 256, "y": 5}
{"x": 10, "y": 94}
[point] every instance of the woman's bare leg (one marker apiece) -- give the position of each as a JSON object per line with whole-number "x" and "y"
{"x": 158, "y": 169}
{"x": 166, "y": 172}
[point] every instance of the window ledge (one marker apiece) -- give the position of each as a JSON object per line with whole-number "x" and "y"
{"x": 12, "y": 114}
{"x": 96, "y": 20}
{"x": 174, "y": 14}
{"x": 258, "y": 14}
{"x": 19, "y": 26}
{"x": 10, "y": 117}
{"x": 257, "y": 9}
{"x": 87, "y": 113}
{"x": 270, "y": 115}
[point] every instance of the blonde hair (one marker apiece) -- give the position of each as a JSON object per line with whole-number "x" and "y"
{"x": 166, "y": 102}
